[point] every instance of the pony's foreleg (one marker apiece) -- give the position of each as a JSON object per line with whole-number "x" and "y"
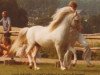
{"x": 68, "y": 58}
{"x": 60, "y": 57}
{"x": 75, "y": 56}
{"x": 34, "y": 53}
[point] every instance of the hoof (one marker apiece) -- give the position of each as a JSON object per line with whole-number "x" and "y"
{"x": 73, "y": 65}
{"x": 63, "y": 68}
{"x": 30, "y": 67}
{"x": 37, "y": 68}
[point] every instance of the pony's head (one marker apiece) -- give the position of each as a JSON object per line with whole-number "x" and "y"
{"x": 75, "y": 20}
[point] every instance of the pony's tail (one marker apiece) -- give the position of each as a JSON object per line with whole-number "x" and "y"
{"x": 21, "y": 39}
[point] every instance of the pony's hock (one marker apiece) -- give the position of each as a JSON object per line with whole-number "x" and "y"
{"x": 9, "y": 62}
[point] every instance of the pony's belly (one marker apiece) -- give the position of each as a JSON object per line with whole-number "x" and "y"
{"x": 46, "y": 43}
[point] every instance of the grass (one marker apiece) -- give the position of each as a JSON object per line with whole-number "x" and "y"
{"x": 48, "y": 69}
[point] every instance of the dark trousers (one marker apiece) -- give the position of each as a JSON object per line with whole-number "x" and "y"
{"x": 7, "y": 37}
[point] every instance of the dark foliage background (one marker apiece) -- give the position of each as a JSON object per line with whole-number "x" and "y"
{"x": 39, "y": 12}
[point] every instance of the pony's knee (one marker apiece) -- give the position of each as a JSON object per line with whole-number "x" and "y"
{"x": 33, "y": 55}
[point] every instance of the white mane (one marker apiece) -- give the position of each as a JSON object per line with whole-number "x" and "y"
{"x": 59, "y": 16}
{"x": 61, "y": 10}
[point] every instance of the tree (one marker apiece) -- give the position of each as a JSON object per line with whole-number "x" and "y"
{"x": 39, "y": 11}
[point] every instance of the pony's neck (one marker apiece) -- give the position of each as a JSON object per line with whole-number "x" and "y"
{"x": 66, "y": 22}
{"x": 59, "y": 16}
{"x": 65, "y": 25}
{"x": 57, "y": 22}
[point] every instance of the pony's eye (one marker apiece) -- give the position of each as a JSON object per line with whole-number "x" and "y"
{"x": 76, "y": 21}
{"x": 76, "y": 18}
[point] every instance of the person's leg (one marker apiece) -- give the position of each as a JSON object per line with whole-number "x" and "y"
{"x": 7, "y": 38}
{"x": 87, "y": 53}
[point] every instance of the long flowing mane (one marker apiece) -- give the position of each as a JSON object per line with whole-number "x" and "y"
{"x": 58, "y": 17}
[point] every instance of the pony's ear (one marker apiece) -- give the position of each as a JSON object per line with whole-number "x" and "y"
{"x": 75, "y": 13}
{"x": 76, "y": 16}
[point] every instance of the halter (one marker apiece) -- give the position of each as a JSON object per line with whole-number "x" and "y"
{"x": 72, "y": 19}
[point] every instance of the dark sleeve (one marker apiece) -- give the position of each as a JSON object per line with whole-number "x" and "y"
{"x": 1, "y": 20}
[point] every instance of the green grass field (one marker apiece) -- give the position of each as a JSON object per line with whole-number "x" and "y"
{"x": 48, "y": 69}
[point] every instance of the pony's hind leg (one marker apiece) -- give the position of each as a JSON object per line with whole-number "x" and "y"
{"x": 34, "y": 53}
{"x": 28, "y": 53}
{"x": 30, "y": 60}
{"x": 75, "y": 56}
{"x": 67, "y": 59}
